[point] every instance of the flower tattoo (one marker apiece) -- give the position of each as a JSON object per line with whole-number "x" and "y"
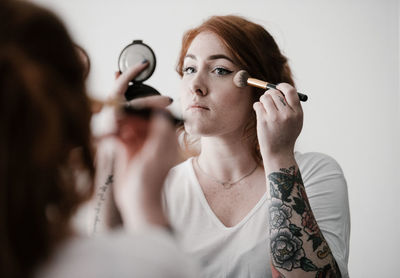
{"x": 279, "y": 214}
{"x": 309, "y": 223}
{"x": 286, "y": 249}
{"x": 289, "y": 215}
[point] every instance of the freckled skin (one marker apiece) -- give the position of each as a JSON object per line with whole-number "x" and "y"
{"x": 210, "y": 82}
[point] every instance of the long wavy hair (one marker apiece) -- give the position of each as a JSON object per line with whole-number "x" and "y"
{"x": 253, "y": 50}
{"x": 44, "y": 136}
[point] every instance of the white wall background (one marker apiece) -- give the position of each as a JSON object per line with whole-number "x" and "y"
{"x": 345, "y": 56}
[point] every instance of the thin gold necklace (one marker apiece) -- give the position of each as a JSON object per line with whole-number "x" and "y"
{"x": 225, "y": 184}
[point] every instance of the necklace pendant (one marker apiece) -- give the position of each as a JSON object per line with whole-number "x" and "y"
{"x": 227, "y": 184}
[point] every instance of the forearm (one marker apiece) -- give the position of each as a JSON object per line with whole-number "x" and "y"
{"x": 298, "y": 248}
{"x": 106, "y": 214}
{"x": 142, "y": 212}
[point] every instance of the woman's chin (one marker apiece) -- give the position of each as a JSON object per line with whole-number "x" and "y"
{"x": 197, "y": 129}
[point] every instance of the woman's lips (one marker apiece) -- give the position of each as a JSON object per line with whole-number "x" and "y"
{"x": 198, "y": 106}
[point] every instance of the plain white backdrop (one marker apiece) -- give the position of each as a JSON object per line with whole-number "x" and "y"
{"x": 344, "y": 55}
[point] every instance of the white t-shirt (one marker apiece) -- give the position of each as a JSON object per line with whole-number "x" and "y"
{"x": 151, "y": 254}
{"x": 243, "y": 250}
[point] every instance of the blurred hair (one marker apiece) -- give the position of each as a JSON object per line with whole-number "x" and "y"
{"x": 84, "y": 57}
{"x": 253, "y": 50}
{"x": 44, "y": 136}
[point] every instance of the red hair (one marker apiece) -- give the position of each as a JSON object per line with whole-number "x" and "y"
{"x": 44, "y": 137}
{"x": 253, "y": 49}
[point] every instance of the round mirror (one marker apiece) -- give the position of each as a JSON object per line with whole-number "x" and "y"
{"x": 136, "y": 53}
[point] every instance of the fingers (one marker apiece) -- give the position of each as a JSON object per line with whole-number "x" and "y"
{"x": 136, "y": 132}
{"x": 139, "y": 187}
{"x": 271, "y": 109}
{"x": 283, "y": 99}
{"x": 275, "y": 103}
{"x": 279, "y": 100}
{"x": 122, "y": 81}
{"x": 260, "y": 111}
{"x": 133, "y": 71}
{"x": 290, "y": 94}
{"x": 151, "y": 101}
{"x": 278, "y": 122}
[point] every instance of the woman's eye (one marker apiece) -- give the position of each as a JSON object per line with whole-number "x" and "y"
{"x": 222, "y": 71}
{"x": 188, "y": 70}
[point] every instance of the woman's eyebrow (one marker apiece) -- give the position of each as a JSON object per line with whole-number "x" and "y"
{"x": 220, "y": 56}
{"x": 212, "y": 57}
{"x": 190, "y": 56}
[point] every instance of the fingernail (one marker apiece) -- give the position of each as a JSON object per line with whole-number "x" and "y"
{"x": 170, "y": 99}
{"x": 144, "y": 61}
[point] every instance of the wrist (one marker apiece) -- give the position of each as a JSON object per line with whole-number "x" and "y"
{"x": 275, "y": 161}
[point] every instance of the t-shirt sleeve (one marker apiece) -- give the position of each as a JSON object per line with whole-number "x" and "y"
{"x": 326, "y": 189}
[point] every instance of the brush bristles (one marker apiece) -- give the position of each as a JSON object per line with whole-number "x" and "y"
{"x": 240, "y": 79}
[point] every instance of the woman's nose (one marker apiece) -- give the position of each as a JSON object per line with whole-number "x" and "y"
{"x": 198, "y": 85}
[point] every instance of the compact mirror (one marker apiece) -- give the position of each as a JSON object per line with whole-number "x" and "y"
{"x": 131, "y": 55}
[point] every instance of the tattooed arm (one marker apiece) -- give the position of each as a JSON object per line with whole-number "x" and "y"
{"x": 104, "y": 214}
{"x": 298, "y": 248}
{"x": 297, "y": 245}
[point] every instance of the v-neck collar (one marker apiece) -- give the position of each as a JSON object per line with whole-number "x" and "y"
{"x": 208, "y": 209}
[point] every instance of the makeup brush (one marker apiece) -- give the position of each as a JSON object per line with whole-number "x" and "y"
{"x": 242, "y": 79}
{"x": 97, "y": 104}
{"x": 137, "y": 110}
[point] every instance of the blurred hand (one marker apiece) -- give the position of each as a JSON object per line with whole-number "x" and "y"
{"x": 122, "y": 83}
{"x": 134, "y": 134}
{"x": 123, "y": 79}
{"x": 140, "y": 173}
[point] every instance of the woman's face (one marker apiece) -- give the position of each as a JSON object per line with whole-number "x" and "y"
{"x": 211, "y": 103}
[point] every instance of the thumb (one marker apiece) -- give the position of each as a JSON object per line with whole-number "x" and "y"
{"x": 260, "y": 111}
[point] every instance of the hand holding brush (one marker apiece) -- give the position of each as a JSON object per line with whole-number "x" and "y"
{"x": 242, "y": 79}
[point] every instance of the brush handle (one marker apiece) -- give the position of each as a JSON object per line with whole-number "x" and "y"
{"x": 265, "y": 85}
{"x": 302, "y": 97}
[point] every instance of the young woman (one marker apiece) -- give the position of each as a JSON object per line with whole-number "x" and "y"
{"x": 248, "y": 205}
{"x": 46, "y": 166}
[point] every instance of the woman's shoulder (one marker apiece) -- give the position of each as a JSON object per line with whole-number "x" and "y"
{"x": 119, "y": 254}
{"x": 315, "y": 161}
{"x": 183, "y": 164}
{"x": 316, "y": 167}
{"x": 180, "y": 171}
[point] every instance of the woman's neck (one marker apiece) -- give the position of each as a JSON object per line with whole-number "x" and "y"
{"x": 225, "y": 158}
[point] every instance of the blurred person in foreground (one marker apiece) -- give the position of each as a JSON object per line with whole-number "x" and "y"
{"x": 46, "y": 164}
